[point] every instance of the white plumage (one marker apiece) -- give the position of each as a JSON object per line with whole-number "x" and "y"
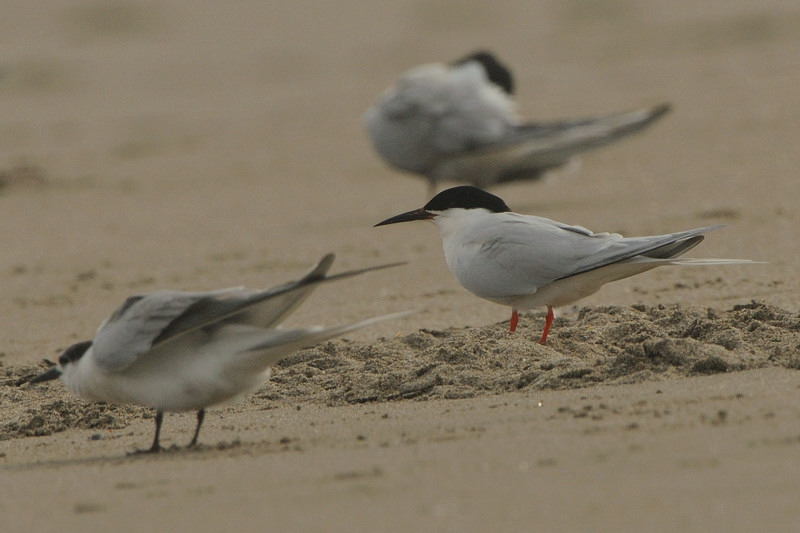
{"x": 182, "y": 351}
{"x": 458, "y": 122}
{"x": 525, "y": 261}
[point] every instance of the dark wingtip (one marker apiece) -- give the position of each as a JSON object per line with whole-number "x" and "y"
{"x": 659, "y": 110}
{"x": 322, "y": 267}
{"x": 662, "y": 108}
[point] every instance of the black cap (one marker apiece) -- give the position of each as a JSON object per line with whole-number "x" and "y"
{"x": 466, "y": 197}
{"x": 497, "y": 72}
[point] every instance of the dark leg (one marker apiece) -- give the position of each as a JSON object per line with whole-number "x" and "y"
{"x": 156, "y": 447}
{"x": 514, "y": 320}
{"x": 548, "y": 322}
{"x": 201, "y": 414}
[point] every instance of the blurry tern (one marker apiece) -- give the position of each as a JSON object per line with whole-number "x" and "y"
{"x": 185, "y": 351}
{"x": 457, "y": 122}
{"x": 525, "y": 261}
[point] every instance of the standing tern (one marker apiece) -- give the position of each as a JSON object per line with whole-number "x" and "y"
{"x": 185, "y": 351}
{"x": 457, "y": 122}
{"x": 526, "y": 261}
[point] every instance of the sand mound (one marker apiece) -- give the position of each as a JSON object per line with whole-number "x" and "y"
{"x": 600, "y": 345}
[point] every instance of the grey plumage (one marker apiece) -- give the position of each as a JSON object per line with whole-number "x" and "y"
{"x": 526, "y": 261}
{"x": 180, "y": 351}
{"x": 453, "y": 123}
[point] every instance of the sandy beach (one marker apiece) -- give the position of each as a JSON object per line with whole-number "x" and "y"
{"x": 197, "y": 146}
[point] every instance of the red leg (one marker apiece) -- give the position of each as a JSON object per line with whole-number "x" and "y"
{"x": 514, "y": 320}
{"x": 548, "y": 322}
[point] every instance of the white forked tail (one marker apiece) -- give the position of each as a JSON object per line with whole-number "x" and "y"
{"x": 267, "y": 347}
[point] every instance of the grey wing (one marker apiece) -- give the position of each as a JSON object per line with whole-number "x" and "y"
{"x": 144, "y": 322}
{"x": 548, "y": 145}
{"x": 530, "y": 252}
{"x": 657, "y": 247}
{"x": 241, "y": 305}
{"x": 256, "y": 308}
{"x": 533, "y": 257}
{"x": 269, "y": 307}
{"x": 133, "y": 328}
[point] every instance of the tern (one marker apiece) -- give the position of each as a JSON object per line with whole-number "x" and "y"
{"x": 526, "y": 261}
{"x": 458, "y": 122}
{"x": 184, "y": 351}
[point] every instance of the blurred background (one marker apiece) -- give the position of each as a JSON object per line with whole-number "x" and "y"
{"x": 195, "y": 145}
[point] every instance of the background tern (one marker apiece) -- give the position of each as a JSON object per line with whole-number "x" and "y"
{"x": 526, "y": 261}
{"x": 184, "y": 351}
{"x": 457, "y": 122}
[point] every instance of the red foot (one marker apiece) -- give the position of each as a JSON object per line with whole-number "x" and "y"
{"x": 548, "y": 322}
{"x": 514, "y": 320}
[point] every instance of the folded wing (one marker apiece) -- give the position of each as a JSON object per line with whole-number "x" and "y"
{"x": 147, "y": 321}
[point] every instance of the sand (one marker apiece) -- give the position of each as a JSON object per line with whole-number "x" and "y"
{"x": 172, "y": 145}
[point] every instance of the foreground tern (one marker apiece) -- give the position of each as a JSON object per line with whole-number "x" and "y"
{"x": 526, "y": 261}
{"x": 185, "y": 351}
{"x": 458, "y": 122}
